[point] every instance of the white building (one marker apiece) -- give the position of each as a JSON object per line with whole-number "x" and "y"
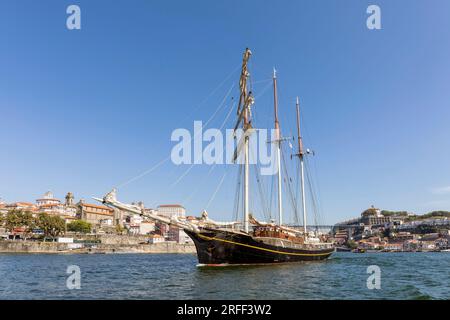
{"x": 108, "y": 222}
{"x": 50, "y": 205}
{"x": 156, "y": 238}
{"x": 47, "y": 199}
{"x": 171, "y": 210}
{"x": 146, "y": 227}
{"x": 174, "y": 210}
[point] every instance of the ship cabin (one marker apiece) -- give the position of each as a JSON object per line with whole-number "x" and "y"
{"x": 276, "y": 232}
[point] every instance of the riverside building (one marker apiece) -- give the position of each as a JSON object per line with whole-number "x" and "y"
{"x": 96, "y": 215}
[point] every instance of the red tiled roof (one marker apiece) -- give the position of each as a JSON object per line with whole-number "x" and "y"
{"x": 106, "y": 211}
{"x": 96, "y": 206}
{"x": 15, "y": 204}
{"x": 170, "y": 205}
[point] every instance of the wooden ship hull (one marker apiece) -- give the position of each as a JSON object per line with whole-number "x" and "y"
{"x": 218, "y": 247}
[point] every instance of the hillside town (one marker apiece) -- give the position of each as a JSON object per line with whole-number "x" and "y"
{"x": 50, "y": 219}
{"x": 394, "y": 231}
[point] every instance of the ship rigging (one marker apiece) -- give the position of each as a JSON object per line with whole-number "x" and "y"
{"x": 254, "y": 241}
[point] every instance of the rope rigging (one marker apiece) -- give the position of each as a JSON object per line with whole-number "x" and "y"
{"x": 266, "y": 203}
{"x": 271, "y": 197}
{"x": 217, "y": 190}
{"x": 211, "y": 169}
{"x": 146, "y": 172}
{"x": 212, "y": 92}
{"x": 259, "y": 182}
{"x": 220, "y": 129}
{"x": 312, "y": 195}
{"x": 237, "y": 194}
{"x": 288, "y": 182}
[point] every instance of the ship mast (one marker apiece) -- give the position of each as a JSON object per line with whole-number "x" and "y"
{"x": 301, "y": 156}
{"x": 246, "y": 174}
{"x": 246, "y": 100}
{"x": 278, "y": 142}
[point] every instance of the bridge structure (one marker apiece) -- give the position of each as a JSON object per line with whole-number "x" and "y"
{"x": 327, "y": 227}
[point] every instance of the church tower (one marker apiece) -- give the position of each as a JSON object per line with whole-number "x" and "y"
{"x": 69, "y": 199}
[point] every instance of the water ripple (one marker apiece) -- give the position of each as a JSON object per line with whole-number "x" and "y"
{"x": 175, "y": 276}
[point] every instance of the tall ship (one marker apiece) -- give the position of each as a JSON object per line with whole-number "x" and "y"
{"x": 249, "y": 241}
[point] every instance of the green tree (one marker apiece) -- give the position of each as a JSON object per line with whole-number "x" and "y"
{"x": 12, "y": 220}
{"x": 437, "y": 214}
{"x": 388, "y": 213}
{"x": 119, "y": 229}
{"x": 351, "y": 244}
{"x": 412, "y": 218}
{"x": 79, "y": 226}
{"x": 52, "y": 226}
{"x": 369, "y": 212}
{"x": 28, "y": 222}
{"x": 386, "y": 233}
{"x": 20, "y": 219}
{"x": 424, "y": 229}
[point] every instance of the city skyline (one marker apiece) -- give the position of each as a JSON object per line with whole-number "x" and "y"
{"x": 87, "y": 110}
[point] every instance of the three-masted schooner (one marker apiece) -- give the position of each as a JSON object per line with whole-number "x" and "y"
{"x": 220, "y": 243}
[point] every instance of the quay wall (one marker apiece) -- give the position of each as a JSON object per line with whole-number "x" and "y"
{"x": 164, "y": 247}
{"x": 122, "y": 239}
{"x": 18, "y": 246}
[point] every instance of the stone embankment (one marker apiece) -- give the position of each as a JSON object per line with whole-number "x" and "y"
{"x": 105, "y": 244}
{"x": 18, "y": 246}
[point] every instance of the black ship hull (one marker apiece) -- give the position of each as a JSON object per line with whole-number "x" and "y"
{"x": 217, "y": 247}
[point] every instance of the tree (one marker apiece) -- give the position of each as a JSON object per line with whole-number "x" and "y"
{"x": 52, "y": 226}
{"x": 28, "y": 222}
{"x": 437, "y": 214}
{"x": 20, "y": 219}
{"x": 351, "y": 244}
{"x": 369, "y": 212}
{"x": 388, "y": 213}
{"x": 12, "y": 220}
{"x": 79, "y": 226}
{"x": 424, "y": 229}
{"x": 119, "y": 229}
{"x": 412, "y": 218}
{"x": 386, "y": 232}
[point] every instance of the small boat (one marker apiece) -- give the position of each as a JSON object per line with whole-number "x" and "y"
{"x": 343, "y": 249}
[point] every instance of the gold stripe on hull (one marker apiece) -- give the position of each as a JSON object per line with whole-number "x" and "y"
{"x": 264, "y": 249}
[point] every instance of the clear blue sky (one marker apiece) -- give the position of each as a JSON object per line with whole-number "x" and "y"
{"x": 86, "y": 110}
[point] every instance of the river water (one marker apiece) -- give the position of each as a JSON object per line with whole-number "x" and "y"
{"x": 176, "y": 276}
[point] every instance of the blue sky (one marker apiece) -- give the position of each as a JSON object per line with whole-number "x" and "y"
{"x": 86, "y": 110}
